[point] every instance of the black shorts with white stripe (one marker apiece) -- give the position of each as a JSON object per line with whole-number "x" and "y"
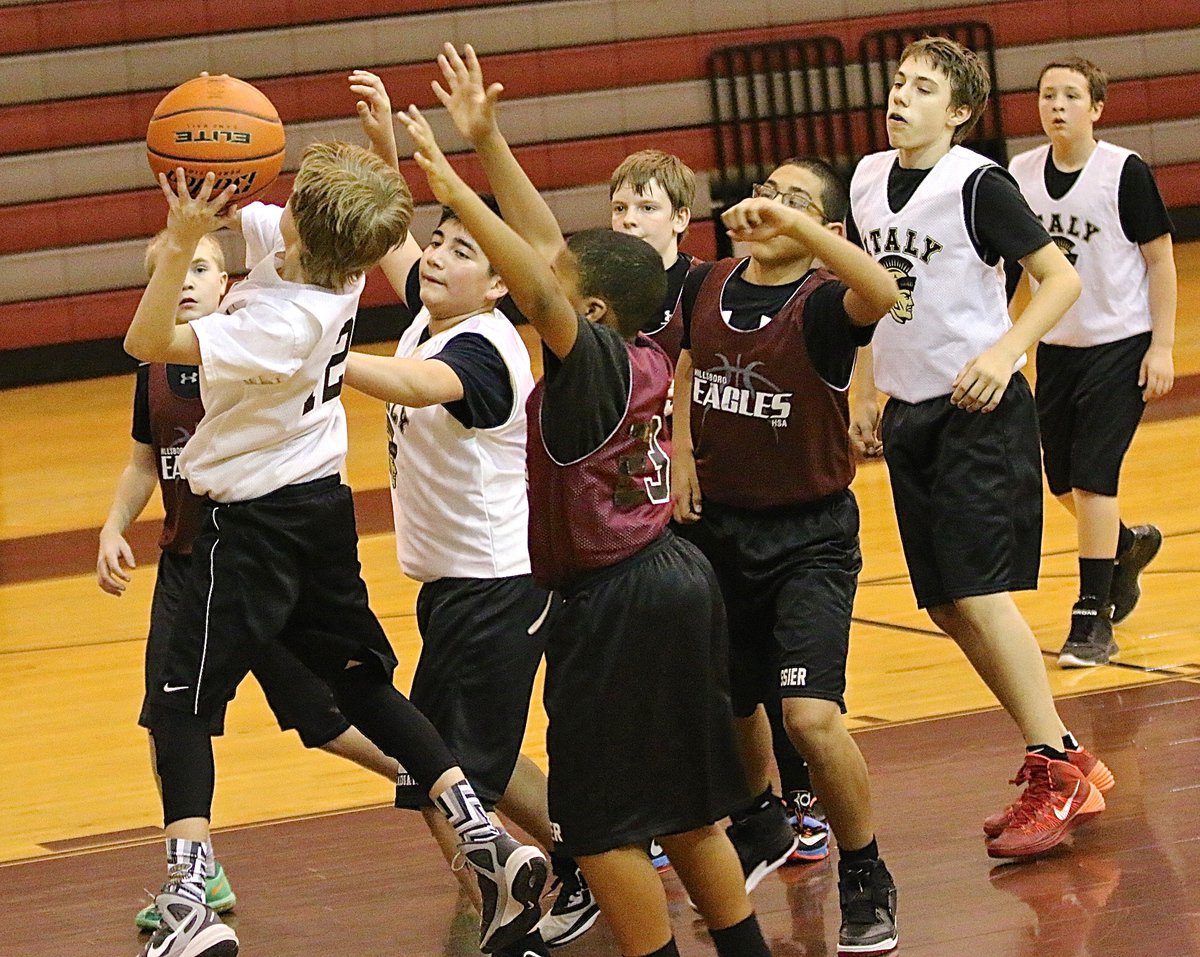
{"x": 280, "y": 567}
{"x": 480, "y": 648}
{"x": 300, "y": 701}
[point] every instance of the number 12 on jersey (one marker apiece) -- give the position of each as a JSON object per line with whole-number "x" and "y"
{"x": 333, "y": 388}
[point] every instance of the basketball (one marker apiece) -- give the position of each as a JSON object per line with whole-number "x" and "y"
{"x": 217, "y": 124}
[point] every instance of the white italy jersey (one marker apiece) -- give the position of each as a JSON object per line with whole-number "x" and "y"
{"x": 1086, "y": 226}
{"x": 458, "y": 494}
{"x": 952, "y": 304}
{"x": 271, "y": 368}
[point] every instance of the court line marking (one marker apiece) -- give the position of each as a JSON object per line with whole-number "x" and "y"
{"x": 316, "y": 815}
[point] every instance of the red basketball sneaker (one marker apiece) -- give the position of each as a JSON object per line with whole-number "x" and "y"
{"x": 1057, "y": 797}
{"x": 1092, "y": 767}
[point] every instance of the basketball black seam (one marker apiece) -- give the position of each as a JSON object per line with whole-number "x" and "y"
{"x": 216, "y": 109}
{"x": 213, "y": 159}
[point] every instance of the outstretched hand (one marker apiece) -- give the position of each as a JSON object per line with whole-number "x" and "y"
{"x": 189, "y": 218}
{"x": 757, "y": 220}
{"x": 443, "y": 180}
{"x": 471, "y": 104}
{"x": 374, "y": 112}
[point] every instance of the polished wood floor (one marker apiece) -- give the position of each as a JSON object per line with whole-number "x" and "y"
{"x": 78, "y": 809}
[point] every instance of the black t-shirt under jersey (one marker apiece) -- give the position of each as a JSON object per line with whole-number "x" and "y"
{"x": 488, "y": 396}
{"x": 829, "y": 335}
{"x": 999, "y": 221}
{"x": 1143, "y": 213}
{"x": 586, "y": 393}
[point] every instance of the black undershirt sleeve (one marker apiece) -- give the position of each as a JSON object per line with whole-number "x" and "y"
{"x": 488, "y": 396}
{"x": 831, "y": 338}
{"x": 412, "y": 288}
{"x": 586, "y": 393}
{"x": 1144, "y": 215}
{"x": 675, "y": 279}
{"x": 999, "y": 220}
{"x": 852, "y": 234}
{"x": 141, "y": 406}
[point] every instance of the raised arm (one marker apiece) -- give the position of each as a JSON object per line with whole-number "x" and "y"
{"x": 375, "y": 114}
{"x": 530, "y": 280}
{"x": 472, "y": 106}
{"x": 872, "y": 290}
{"x": 153, "y": 335}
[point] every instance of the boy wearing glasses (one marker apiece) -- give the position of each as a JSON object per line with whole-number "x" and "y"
{"x": 761, "y": 472}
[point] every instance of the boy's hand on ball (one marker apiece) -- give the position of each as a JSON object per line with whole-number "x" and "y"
{"x": 191, "y": 217}
{"x": 374, "y": 107}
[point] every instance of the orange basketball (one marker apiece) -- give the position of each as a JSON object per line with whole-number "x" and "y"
{"x": 218, "y": 124}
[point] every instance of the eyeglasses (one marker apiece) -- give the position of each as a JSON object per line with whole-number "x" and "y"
{"x": 793, "y": 198}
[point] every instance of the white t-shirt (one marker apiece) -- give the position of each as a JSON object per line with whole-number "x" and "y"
{"x": 953, "y": 304}
{"x": 1086, "y": 225}
{"x": 272, "y": 360}
{"x": 458, "y": 493}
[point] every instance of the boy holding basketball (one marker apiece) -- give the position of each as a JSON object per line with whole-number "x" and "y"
{"x": 166, "y": 411}
{"x": 960, "y": 429}
{"x": 278, "y": 543}
{"x": 1111, "y": 354}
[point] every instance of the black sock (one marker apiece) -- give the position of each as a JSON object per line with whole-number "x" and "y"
{"x": 864, "y": 855}
{"x": 1124, "y": 540}
{"x": 1046, "y": 751}
{"x": 793, "y": 769}
{"x": 755, "y": 805}
{"x": 1095, "y": 578}
{"x": 743, "y": 939}
{"x": 666, "y": 950}
{"x": 1069, "y": 742}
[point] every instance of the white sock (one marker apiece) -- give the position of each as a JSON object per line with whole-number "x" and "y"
{"x": 210, "y": 860}
{"x": 464, "y": 812}
{"x": 185, "y": 866}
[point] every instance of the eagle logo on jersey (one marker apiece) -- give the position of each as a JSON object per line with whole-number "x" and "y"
{"x": 901, "y": 270}
{"x": 1068, "y": 248}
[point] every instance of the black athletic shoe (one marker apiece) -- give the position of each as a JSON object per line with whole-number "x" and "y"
{"x": 511, "y": 877}
{"x": 1126, "y": 591}
{"x": 868, "y": 897}
{"x": 574, "y": 910}
{"x": 1090, "y": 641}
{"x": 530, "y": 945}
{"x": 763, "y": 840}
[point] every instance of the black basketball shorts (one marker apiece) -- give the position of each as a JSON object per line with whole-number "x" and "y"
{"x": 300, "y": 701}
{"x": 280, "y": 567}
{"x": 1089, "y": 405}
{"x": 967, "y": 487}
{"x": 788, "y": 577}
{"x": 640, "y": 739}
{"x": 480, "y": 648}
